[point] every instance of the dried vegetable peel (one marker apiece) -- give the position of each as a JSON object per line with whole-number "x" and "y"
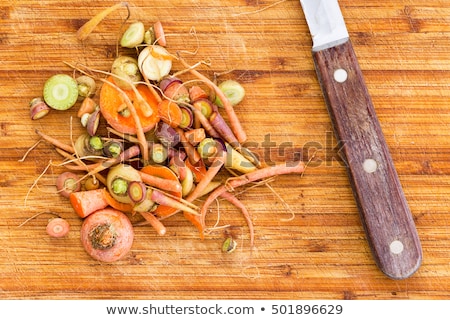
{"x": 167, "y": 143}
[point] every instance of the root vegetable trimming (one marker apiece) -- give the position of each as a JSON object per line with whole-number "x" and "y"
{"x": 107, "y": 234}
{"x": 234, "y": 120}
{"x": 236, "y": 182}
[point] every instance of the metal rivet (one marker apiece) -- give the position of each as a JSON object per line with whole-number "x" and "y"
{"x": 370, "y": 165}
{"x": 396, "y": 247}
{"x": 340, "y": 75}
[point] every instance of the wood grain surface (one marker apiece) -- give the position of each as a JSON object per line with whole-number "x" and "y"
{"x": 403, "y": 48}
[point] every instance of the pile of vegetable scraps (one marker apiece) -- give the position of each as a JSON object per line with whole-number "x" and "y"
{"x": 157, "y": 151}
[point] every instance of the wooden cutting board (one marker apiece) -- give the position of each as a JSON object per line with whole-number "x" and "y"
{"x": 309, "y": 243}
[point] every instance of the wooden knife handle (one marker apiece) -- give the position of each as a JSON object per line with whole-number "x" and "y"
{"x": 384, "y": 212}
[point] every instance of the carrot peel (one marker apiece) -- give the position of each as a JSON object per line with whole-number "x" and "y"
{"x": 161, "y": 198}
{"x": 154, "y": 222}
{"x": 89, "y": 26}
{"x": 248, "y": 178}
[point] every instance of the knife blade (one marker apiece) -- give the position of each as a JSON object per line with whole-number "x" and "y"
{"x": 384, "y": 211}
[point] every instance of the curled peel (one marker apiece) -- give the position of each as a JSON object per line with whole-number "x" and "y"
{"x": 89, "y": 26}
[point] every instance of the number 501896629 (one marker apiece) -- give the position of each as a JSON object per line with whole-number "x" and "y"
{"x": 307, "y": 309}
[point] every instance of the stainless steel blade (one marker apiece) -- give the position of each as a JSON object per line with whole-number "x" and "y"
{"x": 325, "y": 22}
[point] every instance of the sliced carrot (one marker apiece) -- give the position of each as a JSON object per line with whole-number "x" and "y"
{"x": 159, "y": 33}
{"x": 87, "y": 202}
{"x": 124, "y": 207}
{"x": 198, "y": 169}
{"x": 165, "y": 173}
{"x": 235, "y": 123}
{"x": 111, "y": 103}
{"x": 196, "y": 92}
{"x": 87, "y": 106}
{"x": 170, "y": 113}
{"x": 176, "y": 90}
{"x": 195, "y": 136}
{"x": 191, "y": 151}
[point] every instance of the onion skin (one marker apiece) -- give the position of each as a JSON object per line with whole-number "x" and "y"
{"x": 119, "y": 226}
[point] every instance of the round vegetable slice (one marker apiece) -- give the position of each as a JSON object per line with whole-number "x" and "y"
{"x": 61, "y": 92}
{"x": 57, "y": 228}
{"x": 38, "y": 109}
{"x": 133, "y": 36}
{"x": 155, "y": 62}
{"x": 113, "y": 108}
{"x": 125, "y": 67}
{"x": 233, "y": 90}
{"x": 165, "y": 173}
{"x": 170, "y": 113}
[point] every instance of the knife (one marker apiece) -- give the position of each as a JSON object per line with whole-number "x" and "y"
{"x": 384, "y": 211}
